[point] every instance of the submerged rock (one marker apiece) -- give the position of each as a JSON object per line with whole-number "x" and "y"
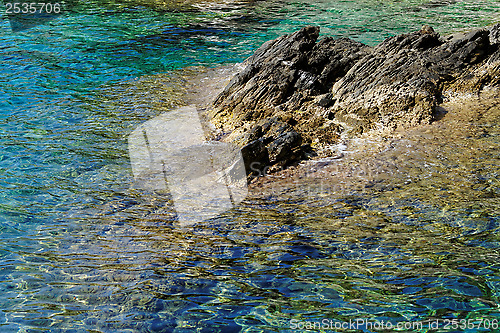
{"x": 295, "y": 92}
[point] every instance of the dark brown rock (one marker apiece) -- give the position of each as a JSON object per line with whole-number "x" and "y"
{"x": 255, "y": 157}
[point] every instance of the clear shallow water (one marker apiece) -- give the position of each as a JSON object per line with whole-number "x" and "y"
{"x": 83, "y": 251}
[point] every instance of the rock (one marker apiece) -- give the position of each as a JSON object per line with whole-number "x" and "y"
{"x": 400, "y": 83}
{"x": 281, "y": 150}
{"x": 271, "y": 141}
{"x": 482, "y": 50}
{"x": 326, "y": 100}
{"x": 296, "y": 90}
{"x": 255, "y": 157}
{"x": 284, "y": 74}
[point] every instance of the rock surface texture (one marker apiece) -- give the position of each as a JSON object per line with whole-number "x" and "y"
{"x": 296, "y": 95}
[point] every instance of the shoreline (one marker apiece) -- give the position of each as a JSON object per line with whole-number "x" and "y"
{"x": 359, "y": 162}
{"x": 218, "y": 78}
{"x": 370, "y": 158}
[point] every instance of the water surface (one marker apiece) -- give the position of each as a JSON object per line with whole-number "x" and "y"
{"x": 407, "y": 230}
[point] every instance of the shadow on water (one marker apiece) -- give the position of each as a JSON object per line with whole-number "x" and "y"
{"x": 20, "y": 23}
{"x": 432, "y": 4}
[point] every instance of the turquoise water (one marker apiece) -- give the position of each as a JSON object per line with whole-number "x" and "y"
{"x": 83, "y": 252}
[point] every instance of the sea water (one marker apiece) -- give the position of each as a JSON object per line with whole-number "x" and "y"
{"x": 406, "y": 230}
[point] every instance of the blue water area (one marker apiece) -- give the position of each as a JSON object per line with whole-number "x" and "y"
{"x": 81, "y": 250}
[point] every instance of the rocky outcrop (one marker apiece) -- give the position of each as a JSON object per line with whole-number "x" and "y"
{"x": 296, "y": 93}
